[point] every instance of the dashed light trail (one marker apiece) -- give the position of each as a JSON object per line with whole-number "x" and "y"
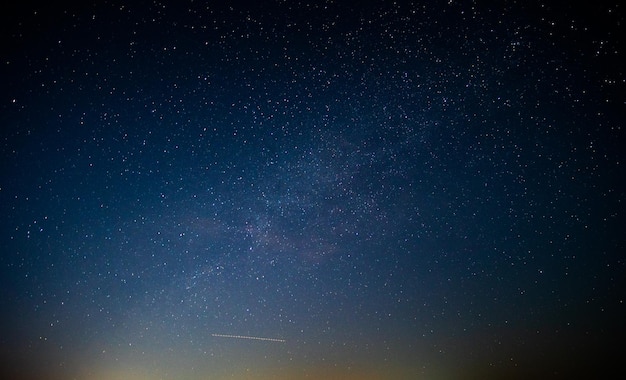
{"x": 249, "y": 337}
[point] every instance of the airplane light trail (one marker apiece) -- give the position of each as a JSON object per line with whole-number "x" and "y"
{"x": 249, "y": 337}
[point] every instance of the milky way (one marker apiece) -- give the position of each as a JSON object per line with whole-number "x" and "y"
{"x": 389, "y": 190}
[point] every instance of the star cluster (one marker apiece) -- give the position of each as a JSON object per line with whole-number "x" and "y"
{"x": 295, "y": 189}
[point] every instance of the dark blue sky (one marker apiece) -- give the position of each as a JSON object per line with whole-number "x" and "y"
{"x": 382, "y": 190}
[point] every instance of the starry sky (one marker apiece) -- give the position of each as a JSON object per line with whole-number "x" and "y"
{"x": 311, "y": 190}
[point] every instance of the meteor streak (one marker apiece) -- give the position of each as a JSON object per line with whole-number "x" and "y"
{"x": 249, "y": 337}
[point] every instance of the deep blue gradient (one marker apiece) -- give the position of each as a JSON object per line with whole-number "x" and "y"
{"x": 396, "y": 190}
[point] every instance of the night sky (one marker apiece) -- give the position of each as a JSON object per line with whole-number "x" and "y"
{"x": 312, "y": 190}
